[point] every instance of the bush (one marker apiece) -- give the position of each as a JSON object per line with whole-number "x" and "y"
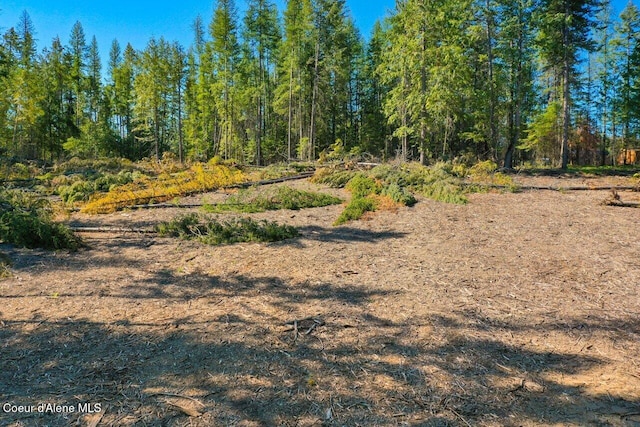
{"x": 355, "y": 210}
{"x": 81, "y": 190}
{"x": 483, "y": 168}
{"x": 5, "y": 265}
{"x": 167, "y": 186}
{"x": 26, "y": 221}
{"x": 361, "y": 186}
{"x": 332, "y": 178}
{"x": 213, "y": 232}
{"x": 399, "y": 194}
{"x": 398, "y": 183}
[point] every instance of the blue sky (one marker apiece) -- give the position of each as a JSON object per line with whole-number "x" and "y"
{"x": 136, "y": 21}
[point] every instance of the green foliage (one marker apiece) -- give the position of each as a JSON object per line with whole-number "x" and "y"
{"x": 355, "y": 209}
{"x": 445, "y": 191}
{"x": 89, "y": 167}
{"x": 398, "y": 183}
{"x": 81, "y": 191}
{"x": 254, "y": 200}
{"x": 399, "y": 194}
{"x": 437, "y": 182}
{"x": 166, "y": 186}
{"x": 332, "y": 178}
{"x": 5, "y": 265}
{"x": 483, "y": 168}
{"x": 212, "y": 232}
{"x": 17, "y": 171}
{"x": 361, "y": 186}
{"x": 27, "y": 221}
{"x": 544, "y": 131}
{"x": 436, "y": 79}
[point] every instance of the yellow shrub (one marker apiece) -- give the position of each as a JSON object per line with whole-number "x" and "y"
{"x": 198, "y": 178}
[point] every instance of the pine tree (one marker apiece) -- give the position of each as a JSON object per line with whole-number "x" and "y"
{"x": 58, "y": 120}
{"x": 224, "y": 50}
{"x": 564, "y": 33}
{"x": 294, "y": 53}
{"x": 373, "y": 136}
{"x": 121, "y": 95}
{"x": 428, "y": 68}
{"x": 626, "y": 43}
{"x": 78, "y": 51}
{"x": 262, "y": 35}
{"x": 177, "y": 76}
{"x": 152, "y": 87}
{"x": 606, "y": 69}
{"x": 26, "y": 90}
{"x": 516, "y": 52}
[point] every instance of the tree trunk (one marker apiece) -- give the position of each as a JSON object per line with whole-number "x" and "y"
{"x": 493, "y": 141}
{"x": 290, "y": 118}
{"x": 156, "y": 132}
{"x": 180, "y": 139}
{"x": 566, "y": 70}
{"x": 312, "y": 127}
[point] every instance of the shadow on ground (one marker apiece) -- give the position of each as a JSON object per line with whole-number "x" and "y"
{"x": 236, "y": 362}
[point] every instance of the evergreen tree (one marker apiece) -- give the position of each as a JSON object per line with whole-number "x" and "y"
{"x": 262, "y": 35}
{"x": 605, "y": 71}
{"x": 626, "y": 43}
{"x": 294, "y": 53}
{"x": 224, "y": 51}
{"x": 564, "y": 33}
{"x": 374, "y": 133}
{"x": 516, "y": 52}
{"x": 78, "y": 51}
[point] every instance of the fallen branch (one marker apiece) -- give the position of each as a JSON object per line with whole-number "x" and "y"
{"x": 112, "y": 230}
{"x": 181, "y": 396}
{"x": 185, "y": 409}
{"x": 273, "y": 181}
{"x": 620, "y": 203}
{"x": 553, "y": 188}
{"x": 581, "y": 188}
{"x": 615, "y": 200}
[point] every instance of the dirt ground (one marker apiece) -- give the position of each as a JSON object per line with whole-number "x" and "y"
{"x": 517, "y": 309}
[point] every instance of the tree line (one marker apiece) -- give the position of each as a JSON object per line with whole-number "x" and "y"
{"x": 510, "y": 80}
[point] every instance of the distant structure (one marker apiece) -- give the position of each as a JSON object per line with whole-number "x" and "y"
{"x": 628, "y": 156}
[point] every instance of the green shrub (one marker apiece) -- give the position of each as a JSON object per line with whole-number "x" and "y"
{"x": 483, "y": 168}
{"x": 27, "y": 221}
{"x": 399, "y": 194}
{"x": 332, "y": 178}
{"x": 361, "y": 186}
{"x": 213, "y": 232}
{"x": 445, "y": 191}
{"x": 81, "y": 190}
{"x": 399, "y": 183}
{"x": 5, "y": 265}
{"x": 356, "y": 209}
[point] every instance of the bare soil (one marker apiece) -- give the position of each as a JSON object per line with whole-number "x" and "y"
{"x": 517, "y": 309}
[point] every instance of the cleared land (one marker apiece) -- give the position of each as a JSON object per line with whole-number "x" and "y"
{"x": 515, "y": 309}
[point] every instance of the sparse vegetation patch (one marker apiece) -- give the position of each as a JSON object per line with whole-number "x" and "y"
{"x": 167, "y": 186}
{"x": 213, "y": 232}
{"x": 26, "y": 221}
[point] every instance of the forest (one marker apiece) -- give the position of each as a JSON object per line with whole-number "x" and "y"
{"x": 542, "y": 82}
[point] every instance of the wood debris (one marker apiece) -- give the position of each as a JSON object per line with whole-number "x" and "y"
{"x": 614, "y": 199}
